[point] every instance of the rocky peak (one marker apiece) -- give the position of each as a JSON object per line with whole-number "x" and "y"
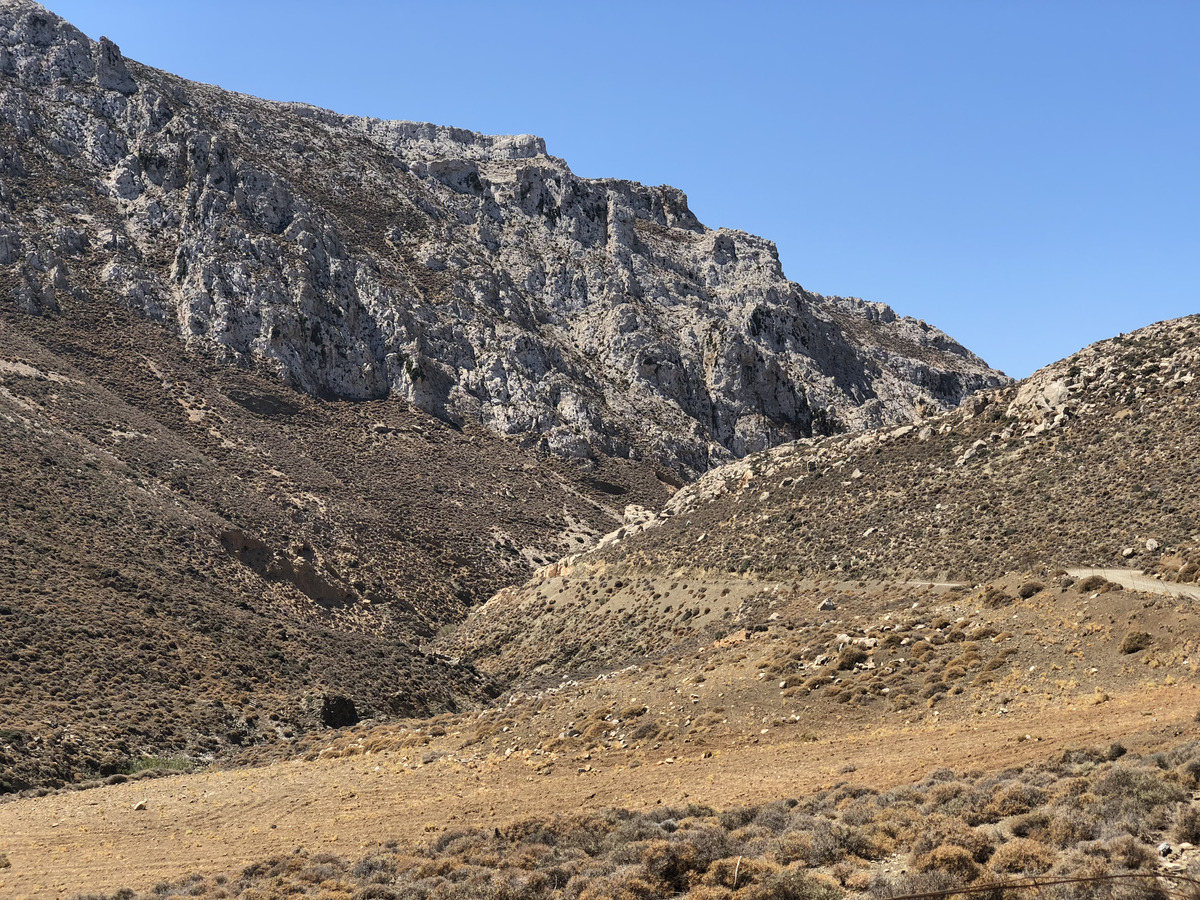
{"x": 38, "y": 48}
{"x": 471, "y": 275}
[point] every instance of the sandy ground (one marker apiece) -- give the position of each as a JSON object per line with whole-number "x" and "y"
{"x": 218, "y": 821}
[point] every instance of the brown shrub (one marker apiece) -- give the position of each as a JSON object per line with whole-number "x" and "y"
{"x": 1029, "y": 588}
{"x": 942, "y": 830}
{"x": 1014, "y": 800}
{"x": 737, "y": 872}
{"x": 1187, "y": 825}
{"x": 672, "y": 862}
{"x": 790, "y": 885}
{"x": 955, "y": 861}
{"x": 624, "y": 886}
{"x": 1022, "y": 856}
{"x": 850, "y": 657}
{"x": 793, "y": 846}
{"x": 1069, "y": 827}
{"x": 994, "y": 598}
{"x": 1129, "y": 852}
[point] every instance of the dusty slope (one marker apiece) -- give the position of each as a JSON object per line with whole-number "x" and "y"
{"x": 471, "y": 275}
{"x": 216, "y": 823}
{"x": 1094, "y": 461}
{"x": 186, "y": 550}
{"x": 714, "y": 725}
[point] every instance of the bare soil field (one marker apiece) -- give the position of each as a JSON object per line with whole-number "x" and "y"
{"x": 215, "y": 821}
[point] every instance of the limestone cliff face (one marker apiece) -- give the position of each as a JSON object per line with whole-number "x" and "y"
{"x": 473, "y": 276}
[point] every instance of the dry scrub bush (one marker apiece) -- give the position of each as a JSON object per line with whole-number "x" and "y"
{"x": 1130, "y": 853}
{"x": 1187, "y": 825}
{"x": 1081, "y": 810}
{"x": 1022, "y": 856}
{"x": 1135, "y": 641}
{"x": 1013, "y": 801}
{"x": 951, "y": 859}
{"x": 739, "y": 872}
{"x": 790, "y": 885}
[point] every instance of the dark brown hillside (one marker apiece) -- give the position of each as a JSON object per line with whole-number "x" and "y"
{"x": 189, "y": 551}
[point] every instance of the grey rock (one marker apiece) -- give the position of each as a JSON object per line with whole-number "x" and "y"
{"x": 474, "y": 276}
{"x": 111, "y": 72}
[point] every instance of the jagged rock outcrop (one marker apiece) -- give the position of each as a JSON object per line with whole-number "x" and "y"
{"x": 473, "y": 276}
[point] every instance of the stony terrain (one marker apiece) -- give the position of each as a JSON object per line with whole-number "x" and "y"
{"x": 286, "y": 396}
{"x": 794, "y": 729}
{"x": 1093, "y": 461}
{"x": 284, "y": 393}
{"x": 472, "y": 276}
{"x": 190, "y": 554}
{"x": 918, "y": 739}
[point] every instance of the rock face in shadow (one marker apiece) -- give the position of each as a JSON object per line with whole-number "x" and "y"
{"x": 473, "y": 276}
{"x": 338, "y": 711}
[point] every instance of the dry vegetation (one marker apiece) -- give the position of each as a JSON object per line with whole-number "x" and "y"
{"x": 1182, "y": 566}
{"x": 1095, "y": 812}
{"x": 810, "y": 704}
{"x": 1008, "y": 648}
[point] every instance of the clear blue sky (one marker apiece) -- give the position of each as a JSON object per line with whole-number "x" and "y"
{"x": 1024, "y": 175}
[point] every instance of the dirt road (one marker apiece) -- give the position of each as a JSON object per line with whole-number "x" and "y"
{"x": 1134, "y": 580}
{"x": 215, "y": 821}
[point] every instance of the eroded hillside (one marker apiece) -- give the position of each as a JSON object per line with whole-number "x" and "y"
{"x": 1090, "y": 462}
{"x": 909, "y": 739}
{"x": 285, "y": 392}
{"x": 190, "y": 554}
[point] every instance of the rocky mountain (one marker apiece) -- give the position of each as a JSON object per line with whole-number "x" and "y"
{"x": 473, "y": 276}
{"x": 284, "y": 393}
{"x": 1090, "y": 462}
{"x": 285, "y": 396}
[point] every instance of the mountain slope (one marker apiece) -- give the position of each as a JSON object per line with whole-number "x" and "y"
{"x": 473, "y": 276}
{"x": 1090, "y": 462}
{"x": 191, "y": 557}
{"x": 284, "y": 393}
